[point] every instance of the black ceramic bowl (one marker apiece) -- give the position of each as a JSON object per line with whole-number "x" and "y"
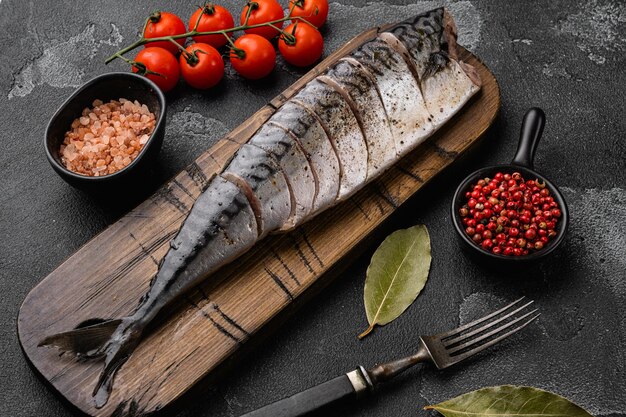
{"x": 532, "y": 128}
{"x": 107, "y": 87}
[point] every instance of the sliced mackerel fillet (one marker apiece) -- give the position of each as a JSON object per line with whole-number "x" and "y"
{"x": 400, "y": 92}
{"x": 422, "y": 37}
{"x": 257, "y": 173}
{"x": 362, "y": 95}
{"x": 308, "y": 131}
{"x": 296, "y": 167}
{"x": 342, "y": 128}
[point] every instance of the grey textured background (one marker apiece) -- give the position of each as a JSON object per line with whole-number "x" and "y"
{"x": 564, "y": 56}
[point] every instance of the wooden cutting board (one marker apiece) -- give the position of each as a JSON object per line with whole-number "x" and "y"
{"x": 107, "y": 276}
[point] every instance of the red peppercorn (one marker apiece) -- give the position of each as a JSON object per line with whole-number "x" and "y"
{"x": 530, "y": 234}
{"x": 509, "y": 215}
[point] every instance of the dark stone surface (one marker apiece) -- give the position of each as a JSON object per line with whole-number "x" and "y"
{"x": 564, "y": 56}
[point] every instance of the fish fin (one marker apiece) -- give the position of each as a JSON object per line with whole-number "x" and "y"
{"x": 117, "y": 350}
{"x": 83, "y": 341}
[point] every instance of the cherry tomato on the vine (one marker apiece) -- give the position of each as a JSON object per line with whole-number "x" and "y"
{"x": 263, "y": 11}
{"x": 313, "y": 11}
{"x": 165, "y": 24}
{"x": 201, "y": 65}
{"x": 160, "y": 61}
{"x": 305, "y": 49}
{"x": 212, "y": 18}
{"x": 253, "y": 56}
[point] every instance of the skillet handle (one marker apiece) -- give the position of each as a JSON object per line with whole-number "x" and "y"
{"x": 532, "y": 128}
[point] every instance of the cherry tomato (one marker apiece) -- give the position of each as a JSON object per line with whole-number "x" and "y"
{"x": 253, "y": 56}
{"x": 165, "y": 24}
{"x": 201, "y": 65}
{"x": 307, "y": 47}
{"x": 212, "y": 17}
{"x": 313, "y": 11}
{"x": 160, "y": 61}
{"x": 263, "y": 11}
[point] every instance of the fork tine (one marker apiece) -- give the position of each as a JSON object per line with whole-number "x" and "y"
{"x": 454, "y": 332}
{"x": 475, "y": 340}
{"x": 465, "y": 355}
{"x": 487, "y": 326}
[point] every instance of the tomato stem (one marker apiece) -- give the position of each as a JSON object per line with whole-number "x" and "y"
{"x": 155, "y": 17}
{"x": 194, "y": 32}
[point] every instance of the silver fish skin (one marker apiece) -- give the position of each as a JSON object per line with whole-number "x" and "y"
{"x": 310, "y": 134}
{"x": 295, "y": 164}
{"x": 342, "y": 128}
{"x": 341, "y": 131}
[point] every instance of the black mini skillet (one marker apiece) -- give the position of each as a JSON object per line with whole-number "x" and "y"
{"x": 532, "y": 128}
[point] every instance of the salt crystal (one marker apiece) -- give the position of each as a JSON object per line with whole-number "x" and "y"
{"x": 105, "y": 138}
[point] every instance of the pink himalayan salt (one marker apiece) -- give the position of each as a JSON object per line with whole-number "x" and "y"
{"x": 107, "y": 137}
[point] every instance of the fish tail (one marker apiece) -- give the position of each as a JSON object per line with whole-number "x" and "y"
{"x": 115, "y": 340}
{"x": 85, "y": 342}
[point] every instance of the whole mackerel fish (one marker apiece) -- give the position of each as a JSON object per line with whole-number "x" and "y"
{"x": 340, "y": 131}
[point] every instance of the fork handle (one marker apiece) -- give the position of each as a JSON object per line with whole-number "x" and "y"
{"x": 351, "y": 385}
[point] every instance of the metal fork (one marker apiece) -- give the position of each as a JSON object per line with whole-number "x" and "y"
{"x": 442, "y": 350}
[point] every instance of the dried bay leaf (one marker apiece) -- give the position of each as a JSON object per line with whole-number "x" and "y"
{"x": 397, "y": 273}
{"x": 509, "y": 400}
